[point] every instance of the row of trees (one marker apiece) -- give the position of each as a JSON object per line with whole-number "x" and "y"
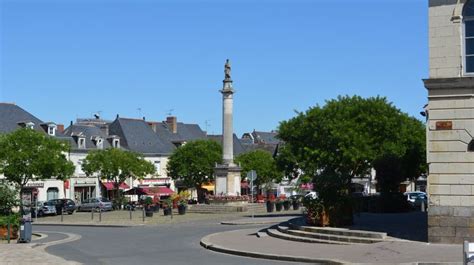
{"x": 27, "y": 155}
{"x": 327, "y": 145}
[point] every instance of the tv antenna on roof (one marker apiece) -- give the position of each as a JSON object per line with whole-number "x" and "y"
{"x": 139, "y": 112}
{"x": 207, "y": 124}
{"x": 97, "y": 114}
{"x": 169, "y": 112}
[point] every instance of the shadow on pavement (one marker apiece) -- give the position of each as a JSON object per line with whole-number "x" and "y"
{"x": 410, "y": 226}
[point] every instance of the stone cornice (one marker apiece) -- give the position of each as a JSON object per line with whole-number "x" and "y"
{"x": 449, "y": 83}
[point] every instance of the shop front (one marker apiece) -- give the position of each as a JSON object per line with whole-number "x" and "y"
{"x": 83, "y": 189}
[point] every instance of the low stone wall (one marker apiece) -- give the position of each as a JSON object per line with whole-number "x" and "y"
{"x": 450, "y": 224}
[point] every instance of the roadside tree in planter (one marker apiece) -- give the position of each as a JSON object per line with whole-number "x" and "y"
{"x": 28, "y": 155}
{"x": 345, "y": 138}
{"x": 116, "y": 165}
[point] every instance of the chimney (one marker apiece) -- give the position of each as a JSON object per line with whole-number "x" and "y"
{"x": 172, "y": 123}
{"x": 60, "y": 128}
{"x": 152, "y": 125}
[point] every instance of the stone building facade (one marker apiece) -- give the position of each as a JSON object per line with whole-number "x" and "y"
{"x": 450, "y": 121}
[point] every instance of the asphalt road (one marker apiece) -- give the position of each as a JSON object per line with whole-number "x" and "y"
{"x": 163, "y": 244}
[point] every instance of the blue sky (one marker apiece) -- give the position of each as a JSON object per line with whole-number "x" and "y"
{"x": 62, "y": 60}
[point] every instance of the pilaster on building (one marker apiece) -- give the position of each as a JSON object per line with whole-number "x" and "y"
{"x": 450, "y": 121}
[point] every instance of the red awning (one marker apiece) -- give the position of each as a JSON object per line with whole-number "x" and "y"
{"x": 160, "y": 191}
{"x": 111, "y": 186}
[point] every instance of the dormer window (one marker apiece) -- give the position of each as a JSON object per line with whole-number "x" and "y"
{"x": 29, "y": 125}
{"x": 116, "y": 143}
{"x": 81, "y": 143}
{"x": 52, "y": 129}
{"x": 99, "y": 143}
{"x": 470, "y": 146}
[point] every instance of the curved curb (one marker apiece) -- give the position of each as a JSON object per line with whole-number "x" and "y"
{"x": 39, "y": 235}
{"x": 70, "y": 237}
{"x": 206, "y": 243}
{"x": 251, "y": 223}
{"x": 88, "y": 225}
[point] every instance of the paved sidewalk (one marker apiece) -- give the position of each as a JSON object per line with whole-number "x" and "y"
{"x": 23, "y": 254}
{"x": 261, "y": 220}
{"x": 245, "y": 242}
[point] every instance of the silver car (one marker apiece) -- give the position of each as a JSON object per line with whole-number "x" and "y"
{"x": 95, "y": 204}
{"x": 43, "y": 208}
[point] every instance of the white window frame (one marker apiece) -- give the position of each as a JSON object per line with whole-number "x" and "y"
{"x": 463, "y": 43}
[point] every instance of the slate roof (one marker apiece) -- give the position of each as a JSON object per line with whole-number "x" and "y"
{"x": 11, "y": 115}
{"x": 89, "y": 131}
{"x": 185, "y": 132}
{"x": 238, "y": 147}
{"x": 265, "y": 137}
{"x": 137, "y": 135}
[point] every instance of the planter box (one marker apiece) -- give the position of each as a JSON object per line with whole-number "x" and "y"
{"x": 4, "y": 232}
{"x": 182, "y": 209}
{"x": 167, "y": 211}
{"x": 270, "y": 206}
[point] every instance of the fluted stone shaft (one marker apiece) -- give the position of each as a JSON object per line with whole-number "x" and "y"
{"x": 227, "y": 126}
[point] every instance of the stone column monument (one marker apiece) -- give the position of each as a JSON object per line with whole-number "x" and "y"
{"x": 227, "y": 174}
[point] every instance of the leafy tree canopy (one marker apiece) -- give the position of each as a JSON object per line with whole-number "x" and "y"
{"x": 194, "y": 162}
{"x": 347, "y": 135}
{"x": 26, "y": 154}
{"x": 263, "y": 163}
{"x": 116, "y": 165}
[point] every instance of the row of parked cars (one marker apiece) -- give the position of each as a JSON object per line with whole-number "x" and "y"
{"x": 68, "y": 206}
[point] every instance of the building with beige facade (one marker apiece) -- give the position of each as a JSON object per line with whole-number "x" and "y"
{"x": 450, "y": 121}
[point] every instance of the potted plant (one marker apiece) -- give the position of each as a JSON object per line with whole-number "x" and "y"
{"x": 156, "y": 204}
{"x": 14, "y": 221}
{"x": 167, "y": 206}
{"x": 278, "y": 204}
{"x": 270, "y": 203}
{"x": 183, "y": 198}
{"x": 148, "y": 207}
{"x": 286, "y": 204}
{"x": 296, "y": 202}
{"x": 316, "y": 213}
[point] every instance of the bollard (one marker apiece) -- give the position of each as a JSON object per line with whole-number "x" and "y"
{"x": 62, "y": 218}
{"x": 130, "y": 211}
{"x": 8, "y": 231}
{"x": 143, "y": 213}
{"x": 422, "y": 206}
{"x": 100, "y": 215}
{"x": 92, "y": 214}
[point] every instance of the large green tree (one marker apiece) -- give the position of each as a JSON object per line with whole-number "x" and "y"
{"x": 194, "y": 162}
{"x": 263, "y": 163}
{"x": 345, "y": 137}
{"x": 27, "y": 155}
{"x": 116, "y": 165}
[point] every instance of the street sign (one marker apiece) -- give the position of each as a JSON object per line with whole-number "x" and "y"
{"x": 252, "y": 175}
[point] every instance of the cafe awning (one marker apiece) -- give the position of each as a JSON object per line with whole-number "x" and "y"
{"x": 151, "y": 191}
{"x": 111, "y": 186}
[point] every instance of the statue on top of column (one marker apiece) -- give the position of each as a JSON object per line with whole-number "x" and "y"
{"x": 227, "y": 70}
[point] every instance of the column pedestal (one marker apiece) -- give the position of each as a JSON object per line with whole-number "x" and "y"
{"x": 227, "y": 179}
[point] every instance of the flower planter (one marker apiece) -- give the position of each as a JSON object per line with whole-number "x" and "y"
{"x": 4, "y": 232}
{"x": 149, "y": 213}
{"x": 270, "y": 206}
{"x": 156, "y": 208}
{"x": 296, "y": 205}
{"x": 182, "y": 209}
{"x": 167, "y": 211}
{"x": 278, "y": 207}
{"x": 286, "y": 205}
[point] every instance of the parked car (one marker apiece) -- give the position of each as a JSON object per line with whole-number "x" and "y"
{"x": 95, "y": 204}
{"x": 43, "y": 208}
{"x": 412, "y": 195}
{"x": 64, "y": 205}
